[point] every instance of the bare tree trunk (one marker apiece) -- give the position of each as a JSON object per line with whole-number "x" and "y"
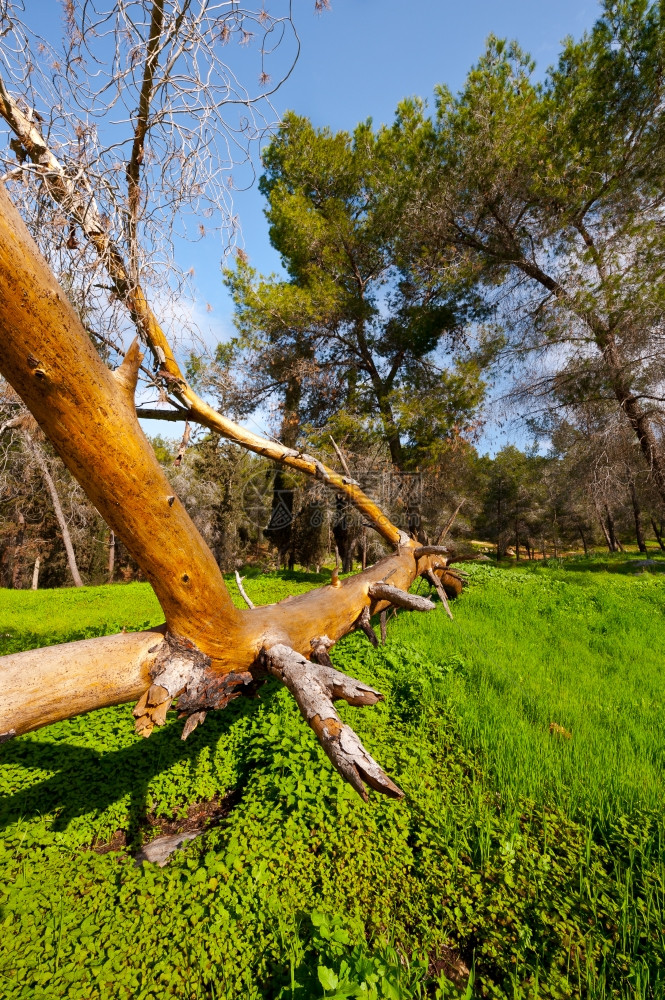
{"x": 111, "y": 555}
{"x": 615, "y": 544}
{"x": 603, "y": 525}
{"x": 35, "y": 574}
{"x": 18, "y": 553}
{"x": 583, "y": 537}
{"x": 638, "y": 418}
{"x": 659, "y": 537}
{"x": 639, "y": 534}
{"x": 40, "y": 458}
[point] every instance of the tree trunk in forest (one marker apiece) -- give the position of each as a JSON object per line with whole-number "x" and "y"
{"x": 40, "y": 459}
{"x": 583, "y": 537}
{"x": 17, "y": 563}
{"x": 35, "y": 574}
{"x": 637, "y": 513}
{"x": 343, "y": 534}
{"x": 659, "y": 537}
{"x": 614, "y": 543}
{"x": 111, "y": 555}
{"x": 280, "y": 527}
{"x": 639, "y": 420}
{"x": 616, "y": 366}
{"x": 601, "y": 521}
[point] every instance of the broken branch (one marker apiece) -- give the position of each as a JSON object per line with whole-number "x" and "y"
{"x": 240, "y": 587}
{"x": 314, "y": 686}
{"x": 400, "y": 598}
{"x": 429, "y": 550}
{"x": 364, "y": 624}
{"x": 433, "y": 578}
{"x": 451, "y": 520}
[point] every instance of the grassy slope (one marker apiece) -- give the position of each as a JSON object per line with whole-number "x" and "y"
{"x": 539, "y": 858}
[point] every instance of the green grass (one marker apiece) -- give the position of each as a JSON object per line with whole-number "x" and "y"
{"x": 538, "y": 859}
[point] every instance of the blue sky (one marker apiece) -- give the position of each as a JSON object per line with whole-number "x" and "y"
{"x": 357, "y": 61}
{"x": 362, "y": 57}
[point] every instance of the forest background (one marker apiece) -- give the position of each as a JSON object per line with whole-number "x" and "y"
{"x": 438, "y": 356}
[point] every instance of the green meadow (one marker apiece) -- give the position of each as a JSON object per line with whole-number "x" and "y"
{"x": 526, "y": 860}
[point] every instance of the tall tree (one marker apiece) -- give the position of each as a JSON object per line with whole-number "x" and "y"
{"x": 554, "y": 191}
{"x": 350, "y": 325}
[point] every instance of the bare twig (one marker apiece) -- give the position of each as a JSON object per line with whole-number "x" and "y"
{"x": 433, "y": 578}
{"x": 340, "y": 456}
{"x": 244, "y": 596}
{"x": 183, "y": 444}
{"x": 449, "y": 523}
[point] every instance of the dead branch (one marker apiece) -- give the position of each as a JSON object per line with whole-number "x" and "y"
{"x": 400, "y": 598}
{"x": 433, "y": 578}
{"x": 42, "y": 686}
{"x": 240, "y": 587}
{"x": 449, "y": 523}
{"x": 429, "y": 550}
{"x": 340, "y": 456}
{"x": 314, "y": 687}
{"x": 321, "y": 644}
{"x": 82, "y": 208}
{"x": 363, "y": 623}
{"x": 183, "y": 445}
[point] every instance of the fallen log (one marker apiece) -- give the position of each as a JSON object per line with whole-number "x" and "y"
{"x": 208, "y": 651}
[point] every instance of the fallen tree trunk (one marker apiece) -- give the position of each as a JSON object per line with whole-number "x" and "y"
{"x": 209, "y": 651}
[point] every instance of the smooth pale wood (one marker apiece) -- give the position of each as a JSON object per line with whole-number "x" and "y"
{"x": 241, "y": 590}
{"x": 47, "y": 685}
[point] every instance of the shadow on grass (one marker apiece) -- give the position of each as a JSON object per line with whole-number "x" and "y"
{"x": 626, "y": 563}
{"x": 89, "y": 781}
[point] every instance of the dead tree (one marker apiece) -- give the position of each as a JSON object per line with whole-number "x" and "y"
{"x": 207, "y": 652}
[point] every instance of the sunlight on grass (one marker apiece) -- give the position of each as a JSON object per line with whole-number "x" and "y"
{"x": 529, "y": 853}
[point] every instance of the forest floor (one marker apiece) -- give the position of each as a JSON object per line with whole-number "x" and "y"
{"x": 526, "y": 860}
